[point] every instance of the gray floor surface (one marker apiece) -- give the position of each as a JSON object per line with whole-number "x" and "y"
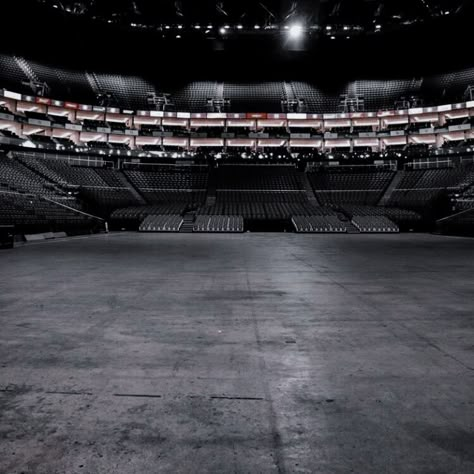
{"x": 253, "y": 353}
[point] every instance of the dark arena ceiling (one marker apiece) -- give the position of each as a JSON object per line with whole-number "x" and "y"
{"x": 357, "y": 15}
{"x": 244, "y": 39}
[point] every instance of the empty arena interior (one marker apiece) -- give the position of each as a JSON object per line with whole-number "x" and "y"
{"x": 236, "y": 237}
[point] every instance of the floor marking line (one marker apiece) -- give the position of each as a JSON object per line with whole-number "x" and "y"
{"x": 136, "y": 395}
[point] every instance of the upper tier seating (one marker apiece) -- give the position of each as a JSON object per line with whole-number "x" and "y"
{"x": 132, "y": 91}
{"x": 12, "y": 76}
{"x": 255, "y": 97}
{"x": 194, "y": 96}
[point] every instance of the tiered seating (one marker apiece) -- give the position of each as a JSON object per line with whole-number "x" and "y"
{"x": 8, "y": 134}
{"x": 42, "y": 141}
{"x": 419, "y": 188}
{"x": 255, "y": 97}
{"x": 401, "y": 217}
{"x": 380, "y": 94}
{"x": 66, "y": 143}
{"x": 12, "y": 75}
{"x": 259, "y": 192}
{"x": 131, "y": 216}
{"x": 194, "y": 96}
{"x": 76, "y": 86}
{"x": 59, "y": 119}
{"x": 103, "y": 189}
{"x": 219, "y": 224}
{"x": 318, "y": 224}
{"x": 77, "y": 175}
{"x": 153, "y": 223}
{"x": 466, "y": 200}
{"x": 374, "y": 224}
{"x": 36, "y": 116}
{"x": 39, "y": 166}
{"x": 333, "y": 188}
{"x": 129, "y": 91}
{"x": 51, "y": 77}
{"x": 29, "y": 213}
{"x": 16, "y": 177}
{"x": 171, "y": 184}
{"x": 94, "y": 124}
{"x": 315, "y": 99}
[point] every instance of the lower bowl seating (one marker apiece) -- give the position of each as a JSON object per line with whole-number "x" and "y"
{"x": 167, "y": 223}
{"x": 219, "y": 224}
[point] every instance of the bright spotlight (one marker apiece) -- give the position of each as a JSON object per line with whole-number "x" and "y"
{"x": 222, "y": 31}
{"x": 296, "y": 31}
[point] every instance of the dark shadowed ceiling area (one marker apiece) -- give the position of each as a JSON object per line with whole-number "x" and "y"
{"x": 244, "y": 39}
{"x": 316, "y": 13}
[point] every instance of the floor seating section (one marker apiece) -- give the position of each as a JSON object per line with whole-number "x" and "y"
{"x": 219, "y": 224}
{"x": 400, "y": 217}
{"x": 374, "y": 224}
{"x": 318, "y": 224}
{"x": 134, "y": 215}
{"x": 168, "y": 223}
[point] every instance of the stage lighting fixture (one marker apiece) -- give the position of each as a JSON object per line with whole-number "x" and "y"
{"x": 296, "y": 31}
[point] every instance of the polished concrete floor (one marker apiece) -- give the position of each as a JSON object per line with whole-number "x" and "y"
{"x": 251, "y": 353}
